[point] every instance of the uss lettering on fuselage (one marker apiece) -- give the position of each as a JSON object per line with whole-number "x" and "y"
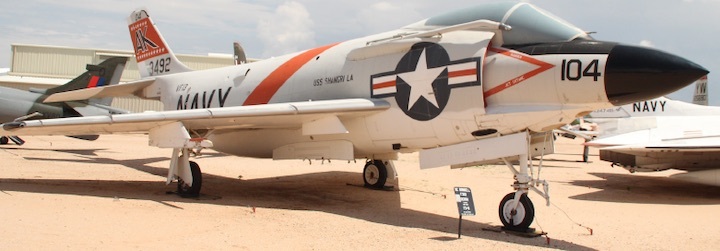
{"x": 423, "y": 78}
{"x": 333, "y": 80}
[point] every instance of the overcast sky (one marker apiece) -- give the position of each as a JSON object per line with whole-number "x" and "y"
{"x": 689, "y": 28}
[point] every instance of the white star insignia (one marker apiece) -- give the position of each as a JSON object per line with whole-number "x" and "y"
{"x": 421, "y": 80}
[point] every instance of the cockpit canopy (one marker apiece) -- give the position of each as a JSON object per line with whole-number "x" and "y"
{"x": 530, "y": 24}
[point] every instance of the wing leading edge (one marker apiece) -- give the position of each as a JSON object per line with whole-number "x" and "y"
{"x": 281, "y": 115}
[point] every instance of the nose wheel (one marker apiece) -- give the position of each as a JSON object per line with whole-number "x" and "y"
{"x": 516, "y": 216}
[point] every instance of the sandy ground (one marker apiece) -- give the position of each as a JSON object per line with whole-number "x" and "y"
{"x": 61, "y": 193}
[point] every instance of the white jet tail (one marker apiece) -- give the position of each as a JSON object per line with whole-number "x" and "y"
{"x": 152, "y": 53}
{"x": 701, "y": 96}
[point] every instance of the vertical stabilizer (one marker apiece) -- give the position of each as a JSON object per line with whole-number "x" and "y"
{"x": 239, "y": 54}
{"x": 701, "y": 97}
{"x": 152, "y": 53}
{"x": 108, "y": 72}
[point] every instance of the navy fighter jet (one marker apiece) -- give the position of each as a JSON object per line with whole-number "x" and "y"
{"x": 462, "y": 87}
{"x": 19, "y": 105}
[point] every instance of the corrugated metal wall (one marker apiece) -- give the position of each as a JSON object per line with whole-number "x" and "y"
{"x": 67, "y": 63}
{"x": 47, "y": 61}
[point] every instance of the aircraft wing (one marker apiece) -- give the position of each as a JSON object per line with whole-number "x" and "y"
{"x": 649, "y": 158}
{"x": 646, "y": 150}
{"x": 658, "y": 138}
{"x": 634, "y": 150}
{"x": 314, "y": 117}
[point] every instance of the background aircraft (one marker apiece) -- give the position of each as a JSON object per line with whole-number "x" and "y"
{"x": 605, "y": 123}
{"x": 18, "y": 105}
{"x": 461, "y": 87}
{"x": 701, "y": 92}
{"x": 662, "y": 134}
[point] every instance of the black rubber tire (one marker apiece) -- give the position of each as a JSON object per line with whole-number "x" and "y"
{"x": 4, "y": 140}
{"x": 185, "y": 190}
{"x": 525, "y": 210}
{"x": 375, "y": 174}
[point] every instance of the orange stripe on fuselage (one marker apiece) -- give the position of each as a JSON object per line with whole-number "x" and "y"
{"x": 462, "y": 73}
{"x": 272, "y": 83}
{"x": 542, "y": 66}
{"x": 384, "y": 84}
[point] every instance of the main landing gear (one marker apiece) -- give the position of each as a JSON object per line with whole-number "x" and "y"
{"x": 4, "y": 140}
{"x": 377, "y": 173}
{"x": 190, "y": 189}
{"x": 187, "y": 173}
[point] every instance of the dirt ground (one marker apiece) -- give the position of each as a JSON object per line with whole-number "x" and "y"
{"x": 62, "y": 193}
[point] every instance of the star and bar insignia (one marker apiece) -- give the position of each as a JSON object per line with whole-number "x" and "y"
{"x": 423, "y": 79}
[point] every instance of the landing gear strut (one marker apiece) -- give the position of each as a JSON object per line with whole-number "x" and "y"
{"x": 516, "y": 210}
{"x": 186, "y": 172}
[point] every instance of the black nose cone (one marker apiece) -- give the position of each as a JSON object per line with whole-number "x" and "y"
{"x": 635, "y": 73}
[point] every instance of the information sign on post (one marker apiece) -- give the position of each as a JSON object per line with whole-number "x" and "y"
{"x": 464, "y": 199}
{"x": 465, "y": 204}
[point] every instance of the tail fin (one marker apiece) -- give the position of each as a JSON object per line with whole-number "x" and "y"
{"x": 152, "y": 53}
{"x": 701, "y": 97}
{"x": 239, "y": 54}
{"x": 108, "y": 72}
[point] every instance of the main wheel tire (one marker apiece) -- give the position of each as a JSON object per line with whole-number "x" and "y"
{"x": 375, "y": 174}
{"x": 522, "y": 216}
{"x": 4, "y": 140}
{"x": 191, "y": 190}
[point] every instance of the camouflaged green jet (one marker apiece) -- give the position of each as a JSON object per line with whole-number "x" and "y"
{"x": 19, "y": 105}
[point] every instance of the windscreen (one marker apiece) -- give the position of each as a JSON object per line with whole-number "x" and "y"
{"x": 530, "y": 24}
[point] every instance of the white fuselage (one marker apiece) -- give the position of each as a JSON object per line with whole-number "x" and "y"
{"x": 515, "y": 92}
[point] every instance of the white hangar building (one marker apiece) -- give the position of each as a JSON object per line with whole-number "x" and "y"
{"x": 42, "y": 66}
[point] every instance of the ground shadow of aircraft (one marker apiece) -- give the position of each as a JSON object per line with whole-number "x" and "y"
{"x": 647, "y": 190}
{"x": 329, "y": 192}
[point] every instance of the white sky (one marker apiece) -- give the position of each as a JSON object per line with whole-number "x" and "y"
{"x": 689, "y": 28}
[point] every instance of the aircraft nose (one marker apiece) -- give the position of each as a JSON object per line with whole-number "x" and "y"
{"x": 634, "y": 73}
